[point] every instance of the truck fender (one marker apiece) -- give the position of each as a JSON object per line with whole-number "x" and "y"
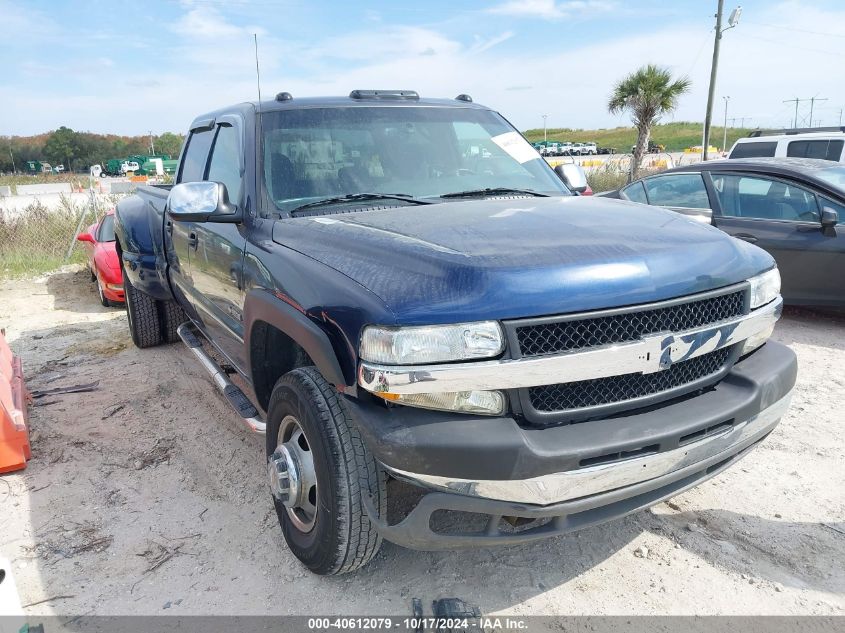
{"x": 140, "y": 248}
{"x": 289, "y": 318}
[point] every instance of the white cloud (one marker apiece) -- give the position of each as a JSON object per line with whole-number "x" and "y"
{"x": 208, "y": 23}
{"x": 550, "y": 9}
{"x": 482, "y": 44}
{"x": 760, "y": 66}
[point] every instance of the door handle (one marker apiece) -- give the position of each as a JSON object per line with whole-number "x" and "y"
{"x": 746, "y": 237}
{"x": 192, "y": 240}
{"x": 168, "y": 226}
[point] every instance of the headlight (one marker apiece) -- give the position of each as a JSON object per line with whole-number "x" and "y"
{"x": 431, "y": 344}
{"x": 480, "y": 402}
{"x": 764, "y": 288}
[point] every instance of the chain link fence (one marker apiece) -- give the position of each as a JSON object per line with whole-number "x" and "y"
{"x": 39, "y": 235}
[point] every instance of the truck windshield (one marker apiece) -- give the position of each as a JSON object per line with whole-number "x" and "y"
{"x": 417, "y": 151}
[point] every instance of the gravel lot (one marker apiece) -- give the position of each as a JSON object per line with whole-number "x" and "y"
{"x": 146, "y": 496}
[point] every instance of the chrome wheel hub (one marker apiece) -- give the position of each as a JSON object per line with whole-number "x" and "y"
{"x": 293, "y": 480}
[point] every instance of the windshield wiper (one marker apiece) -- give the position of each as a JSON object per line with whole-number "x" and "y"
{"x": 495, "y": 191}
{"x": 355, "y": 197}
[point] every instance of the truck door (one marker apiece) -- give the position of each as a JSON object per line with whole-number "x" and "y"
{"x": 217, "y": 258}
{"x": 181, "y": 236}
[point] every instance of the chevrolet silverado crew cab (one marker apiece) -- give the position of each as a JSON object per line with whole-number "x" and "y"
{"x": 398, "y": 288}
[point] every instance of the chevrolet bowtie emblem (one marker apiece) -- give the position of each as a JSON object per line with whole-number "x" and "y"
{"x": 672, "y": 348}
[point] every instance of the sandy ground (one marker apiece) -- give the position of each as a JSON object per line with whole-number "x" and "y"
{"x": 146, "y": 496}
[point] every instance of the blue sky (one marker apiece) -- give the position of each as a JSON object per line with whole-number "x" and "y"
{"x": 129, "y": 67}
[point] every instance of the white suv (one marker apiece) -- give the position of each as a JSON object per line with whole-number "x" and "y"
{"x": 825, "y": 145}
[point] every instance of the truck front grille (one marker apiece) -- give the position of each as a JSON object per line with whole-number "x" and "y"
{"x": 570, "y": 402}
{"x": 564, "y": 335}
{"x": 565, "y": 397}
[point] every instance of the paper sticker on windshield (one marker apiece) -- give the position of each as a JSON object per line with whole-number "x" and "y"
{"x": 516, "y": 146}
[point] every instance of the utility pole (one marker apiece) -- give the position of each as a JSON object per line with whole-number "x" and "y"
{"x": 545, "y": 116}
{"x": 725, "y": 138}
{"x": 797, "y": 101}
{"x": 812, "y": 102}
{"x": 14, "y": 171}
{"x": 733, "y": 20}
{"x": 152, "y": 145}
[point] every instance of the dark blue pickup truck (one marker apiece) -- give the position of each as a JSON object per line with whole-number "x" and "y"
{"x": 397, "y": 288}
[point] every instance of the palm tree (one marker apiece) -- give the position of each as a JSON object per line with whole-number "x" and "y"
{"x": 647, "y": 94}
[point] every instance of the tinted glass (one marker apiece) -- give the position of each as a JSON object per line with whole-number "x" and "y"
{"x": 823, "y": 148}
{"x": 754, "y": 149}
{"x": 421, "y": 151}
{"x": 635, "y": 192}
{"x": 106, "y": 231}
{"x": 193, "y": 163}
{"x": 677, "y": 190}
{"x": 225, "y": 165}
{"x": 764, "y": 198}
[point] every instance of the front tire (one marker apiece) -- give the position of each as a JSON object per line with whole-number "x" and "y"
{"x": 320, "y": 507}
{"x": 142, "y": 312}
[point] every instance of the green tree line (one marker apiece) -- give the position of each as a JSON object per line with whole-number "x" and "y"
{"x": 77, "y": 151}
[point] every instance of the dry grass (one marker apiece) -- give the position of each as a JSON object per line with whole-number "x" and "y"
{"x": 36, "y": 239}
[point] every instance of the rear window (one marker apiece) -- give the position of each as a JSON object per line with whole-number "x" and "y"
{"x": 754, "y": 149}
{"x": 825, "y": 149}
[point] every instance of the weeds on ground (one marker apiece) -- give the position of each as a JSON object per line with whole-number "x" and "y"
{"x": 36, "y": 239}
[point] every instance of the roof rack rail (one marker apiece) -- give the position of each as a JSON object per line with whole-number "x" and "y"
{"x": 796, "y": 130}
{"x": 384, "y": 94}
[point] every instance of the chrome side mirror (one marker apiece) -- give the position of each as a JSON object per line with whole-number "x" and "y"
{"x": 202, "y": 201}
{"x": 573, "y": 176}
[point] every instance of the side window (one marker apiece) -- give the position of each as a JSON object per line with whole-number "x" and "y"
{"x": 822, "y": 148}
{"x": 106, "y": 231}
{"x": 635, "y": 192}
{"x": 193, "y": 163}
{"x": 225, "y": 165}
{"x": 839, "y": 208}
{"x": 754, "y": 149}
{"x": 765, "y": 199}
{"x": 678, "y": 190}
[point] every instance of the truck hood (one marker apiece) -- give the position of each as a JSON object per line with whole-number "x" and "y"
{"x": 509, "y": 258}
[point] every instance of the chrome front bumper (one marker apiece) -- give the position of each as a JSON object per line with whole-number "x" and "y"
{"x": 647, "y": 355}
{"x": 583, "y": 482}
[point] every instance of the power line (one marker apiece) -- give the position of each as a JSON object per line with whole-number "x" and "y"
{"x": 791, "y": 46}
{"x": 796, "y": 29}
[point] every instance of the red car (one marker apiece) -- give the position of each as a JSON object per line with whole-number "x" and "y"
{"x": 102, "y": 260}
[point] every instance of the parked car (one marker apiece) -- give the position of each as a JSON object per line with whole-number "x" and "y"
{"x": 99, "y": 242}
{"x": 828, "y": 144}
{"x": 794, "y": 208}
{"x": 587, "y": 149}
{"x": 531, "y": 357}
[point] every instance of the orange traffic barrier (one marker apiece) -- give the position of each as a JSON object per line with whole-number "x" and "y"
{"x": 14, "y": 434}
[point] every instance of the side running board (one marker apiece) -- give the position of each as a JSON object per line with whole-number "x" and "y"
{"x": 233, "y": 394}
